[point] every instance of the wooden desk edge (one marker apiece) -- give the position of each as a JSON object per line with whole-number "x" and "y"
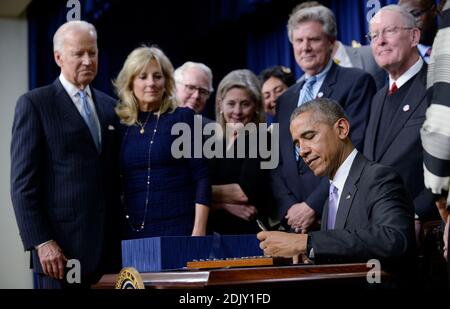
{"x": 242, "y": 276}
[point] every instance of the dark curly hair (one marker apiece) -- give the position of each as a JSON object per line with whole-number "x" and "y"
{"x": 283, "y": 73}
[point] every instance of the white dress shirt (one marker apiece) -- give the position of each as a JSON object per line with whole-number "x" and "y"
{"x": 341, "y": 175}
{"x": 407, "y": 75}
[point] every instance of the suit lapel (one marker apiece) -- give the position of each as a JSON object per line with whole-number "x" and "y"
{"x": 291, "y": 104}
{"x": 70, "y": 111}
{"x": 414, "y": 97}
{"x": 101, "y": 114}
{"x": 324, "y": 220}
{"x": 372, "y": 128}
{"x": 349, "y": 191}
{"x": 330, "y": 80}
{"x": 293, "y": 100}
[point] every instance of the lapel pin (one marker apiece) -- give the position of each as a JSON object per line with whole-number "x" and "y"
{"x": 406, "y": 108}
{"x": 348, "y": 197}
{"x": 320, "y": 94}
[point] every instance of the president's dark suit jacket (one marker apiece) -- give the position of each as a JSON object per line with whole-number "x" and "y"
{"x": 375, "y": 218}
{"x": 62, "y": 188}
{"x": 292, "y": 181}
{"x": 402, "y": 148}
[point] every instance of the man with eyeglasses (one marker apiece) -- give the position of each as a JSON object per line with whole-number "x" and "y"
{"x": 194, "y": 85}
{"x": 425, "y": 12}
{"x": 398, "y": 109}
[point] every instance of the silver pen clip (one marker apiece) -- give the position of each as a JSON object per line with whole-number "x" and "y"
{"x": 261, "y": 225}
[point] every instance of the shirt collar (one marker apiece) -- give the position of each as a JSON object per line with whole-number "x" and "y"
{"x": 71, "y": 89}
{"x": 407, "y": 75}
{"x": 342, "y": 173}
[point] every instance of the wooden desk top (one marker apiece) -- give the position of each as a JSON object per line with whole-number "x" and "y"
{"x": 245, "y": 276}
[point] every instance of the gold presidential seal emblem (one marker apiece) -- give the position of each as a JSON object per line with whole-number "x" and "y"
{"x": 129, "y": 278}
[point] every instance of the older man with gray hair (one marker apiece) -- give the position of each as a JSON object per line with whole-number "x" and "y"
{"x": 312, "y": 32}
{"x": 398, "y": 109}
{"x": 64, "y": 176}
{"x": 194, "y": 85}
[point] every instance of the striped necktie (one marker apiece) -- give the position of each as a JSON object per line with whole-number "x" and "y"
{"x": 333, "y": 201}
{"x": 307, "y": 90}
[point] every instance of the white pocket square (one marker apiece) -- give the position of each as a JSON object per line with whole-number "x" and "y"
{"x": 111, "y": 128}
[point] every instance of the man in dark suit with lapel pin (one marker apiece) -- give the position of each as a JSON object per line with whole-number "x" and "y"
{"x": 368, "y": 214}
{"x": 398, "y": 110}
{"x": 64, "y": 180}
{"x": 312, "y": 32}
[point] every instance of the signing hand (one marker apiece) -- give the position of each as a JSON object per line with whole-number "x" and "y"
{"x": 301, "y": 217}
{"x": 282, "y": 244}
{"x": 52, "y": 260}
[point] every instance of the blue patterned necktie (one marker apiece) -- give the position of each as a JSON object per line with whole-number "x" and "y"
{"x": 308, "y": 96}
{"x": 333, "y": 201}
{"x": 89, "y": 118}
{"x": 308, "y": 90}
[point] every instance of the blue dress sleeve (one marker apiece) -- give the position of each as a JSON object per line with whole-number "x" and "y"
{"x": 198, "y": 166}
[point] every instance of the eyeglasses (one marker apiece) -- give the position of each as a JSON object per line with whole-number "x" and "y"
{"x": 201, "y": 91}
{"x": 388, "y": 32}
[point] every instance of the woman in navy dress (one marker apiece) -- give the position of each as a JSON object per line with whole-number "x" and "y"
{"x": 162, "y": 195}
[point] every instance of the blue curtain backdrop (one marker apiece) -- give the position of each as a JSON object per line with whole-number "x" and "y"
{"x": 224, "y": 34}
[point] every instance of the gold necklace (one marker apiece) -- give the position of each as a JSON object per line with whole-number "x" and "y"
{"x": 141, "y": 225}
{"x": 142, "y": 130}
